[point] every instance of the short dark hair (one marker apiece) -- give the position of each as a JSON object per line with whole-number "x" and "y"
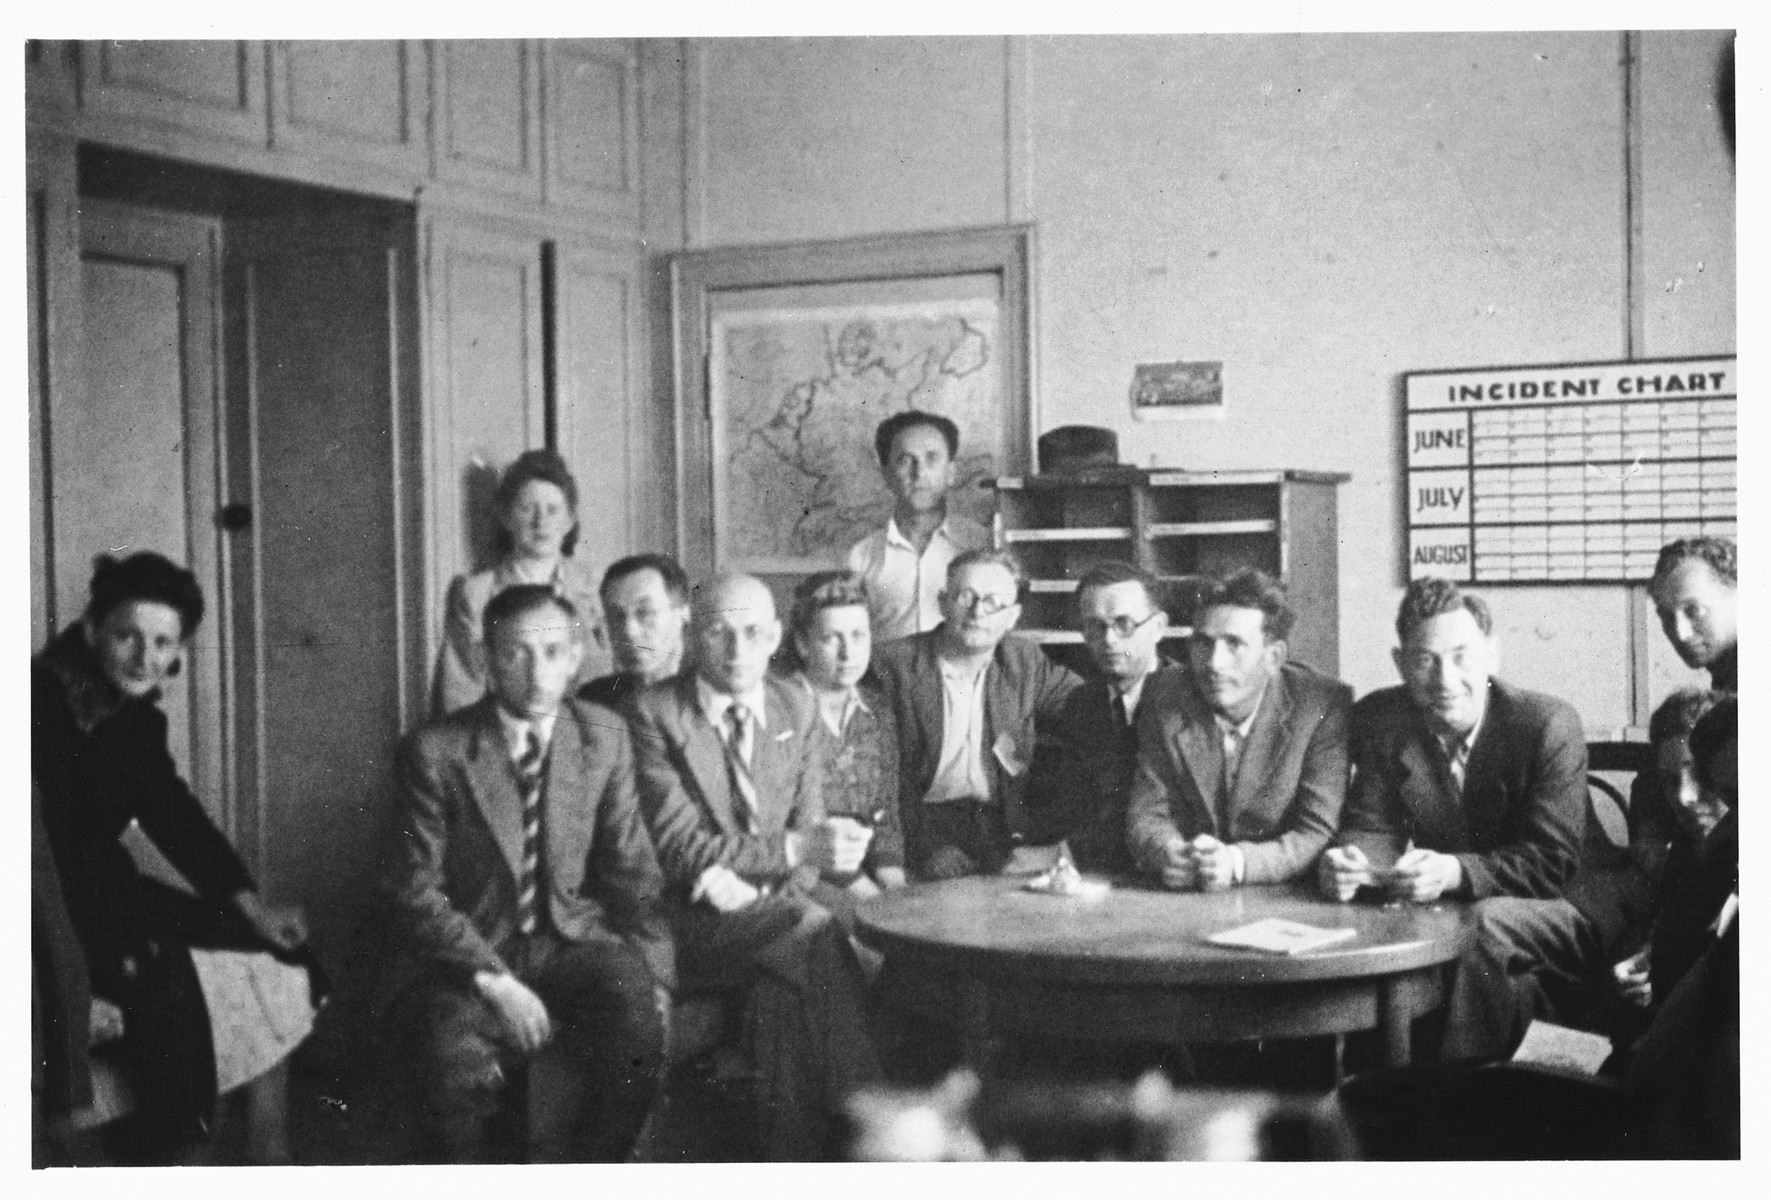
{"x": 147, "y": 576}
{"x": 1431, "y": 597}
{"x": 1717, "y": 553}
{"x": 534, "y": 466}
{"x": 1113, "y": 572}
{"x": 991, "y": 557}
{"x": 1678, "y": 714}
{"x": 897, "y": 423}
{"x": 1715, "y": 729}
{"x": 520, "y": 600}
{"x": 826, "y": 589}
{"x": 1250, "y": 588}
{"x": 676, "y": 580}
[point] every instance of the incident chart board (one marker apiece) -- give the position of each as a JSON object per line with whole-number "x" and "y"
{"x": 1567, "y": 474}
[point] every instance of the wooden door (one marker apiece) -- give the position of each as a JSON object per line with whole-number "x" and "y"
{"x": 321, "y": 342}
{"x": 134, "y": 461}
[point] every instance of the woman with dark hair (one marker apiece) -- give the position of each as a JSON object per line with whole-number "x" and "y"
{"x": 855, "y": 734}
{"x": 537, "y": 505}
{"x": 100, "y": 763}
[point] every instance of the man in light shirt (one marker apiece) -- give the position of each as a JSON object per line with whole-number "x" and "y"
{"x": 1242, "y": 756}
{"x": 972, "y": 705}
{"x": 730, "y": 784}
{"x": 905, "y": 564}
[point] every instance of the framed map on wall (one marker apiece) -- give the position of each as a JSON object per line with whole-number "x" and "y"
{"x": 798, "y": 352}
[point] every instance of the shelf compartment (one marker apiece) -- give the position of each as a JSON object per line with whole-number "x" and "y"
{"x": 1162, "y": 529}
{"x": 1105, "y": 533}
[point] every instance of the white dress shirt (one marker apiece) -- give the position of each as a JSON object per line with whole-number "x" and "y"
{"x": 959, "y": 772}
{"x": 904, "y": 587}
{"x": 714, "y": 705}
{"x": 516, "y": 731}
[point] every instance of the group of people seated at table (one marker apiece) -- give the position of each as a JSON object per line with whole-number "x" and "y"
{"x": 658, "y": 788}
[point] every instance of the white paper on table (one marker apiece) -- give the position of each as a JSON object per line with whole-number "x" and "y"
{"x": 1552, "y": 1045}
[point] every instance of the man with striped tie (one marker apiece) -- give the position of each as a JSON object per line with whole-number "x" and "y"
{"x": 730, "y": 784}
{"x": 524, "y": 897}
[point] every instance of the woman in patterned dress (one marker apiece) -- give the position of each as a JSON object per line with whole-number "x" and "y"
{"x": 854, "y": 732}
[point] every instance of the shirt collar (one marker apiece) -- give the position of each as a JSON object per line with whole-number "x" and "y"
{"x": 1241, "y": 728}
{"x": 516, "y": 729}
{"x": 1454, "y": 746}
{"x": 714, "y": 704}
{"x": 854, "y": 703}
{"x": 895, "y": 537}
{"x": 1131, "y": 694}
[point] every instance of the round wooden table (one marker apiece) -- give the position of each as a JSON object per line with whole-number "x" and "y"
{"x": 1134, "y": 966}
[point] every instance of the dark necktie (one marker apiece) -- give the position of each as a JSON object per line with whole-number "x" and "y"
{"x": 738, "y": 752}
{"x": 531, "y": 767}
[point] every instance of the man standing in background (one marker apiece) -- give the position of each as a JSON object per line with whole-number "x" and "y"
{"x": 905, "y": 564}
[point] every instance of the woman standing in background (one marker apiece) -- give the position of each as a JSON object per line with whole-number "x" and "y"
{"x": 538, "y": 527}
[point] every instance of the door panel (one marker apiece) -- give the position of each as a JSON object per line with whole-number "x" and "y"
{"x": 132, "y": 461}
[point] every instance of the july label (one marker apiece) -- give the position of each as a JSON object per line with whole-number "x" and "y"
{"x": 1439, "y": 497}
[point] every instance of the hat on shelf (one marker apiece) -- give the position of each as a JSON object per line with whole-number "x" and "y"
{"x": 1071, "y": 448}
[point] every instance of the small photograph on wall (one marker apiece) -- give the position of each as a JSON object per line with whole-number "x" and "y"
{"x": 1178, "y": 391}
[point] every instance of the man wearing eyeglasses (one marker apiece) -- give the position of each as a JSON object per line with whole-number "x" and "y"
{"x": 972, "y": 705}
{"x": 1242, "y": 756}
{"x": 1122, "y": 626}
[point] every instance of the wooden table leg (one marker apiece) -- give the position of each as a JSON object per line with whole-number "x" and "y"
{"x": 977, "y": 1041}
{"x": 1394, "y": 1022}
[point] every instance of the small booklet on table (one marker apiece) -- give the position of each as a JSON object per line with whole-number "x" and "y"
{"x": 1276, "y": 935}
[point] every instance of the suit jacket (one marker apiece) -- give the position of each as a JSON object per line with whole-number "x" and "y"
{"x": 1090, "y": 785}
{"x": 453, "y": 867}
{"x": 1518, "y": 827}
{"x": 1290, "y": 783}
{"x": 686, "y": 793}
{"x": 1024, "y": 694}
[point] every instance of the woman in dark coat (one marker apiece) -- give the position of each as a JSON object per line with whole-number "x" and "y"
{"x": 100, "y": 762}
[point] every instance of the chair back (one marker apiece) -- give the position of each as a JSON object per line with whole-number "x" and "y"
{"x": 1608, "y": 798}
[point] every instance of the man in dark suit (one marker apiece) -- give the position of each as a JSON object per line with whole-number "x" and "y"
{"x": 1471, "y": 788}
{"x": 1462, "y": 785}
{"x": 729, "y": 781}
{"x": 1122, "y": 626}
{"x": 646, "y": 611}
{"x": 524, "y": 905}
{"x": 1242, "y": 756}
{"x": 972, "y": 706}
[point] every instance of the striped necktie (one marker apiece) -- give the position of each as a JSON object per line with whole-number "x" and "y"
{"x": 531, "y": 768}
{"x": 739, "y": 745}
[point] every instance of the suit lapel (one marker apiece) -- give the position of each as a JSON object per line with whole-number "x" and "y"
{"x": 1428, "y": 790}
{"x": 493, "y": 784}
{"x": 776, "y": 757}
{"x": 1265, "y": 737}
{"x": 568, "y": 808}
{"x": 1202, "y": 749}
{"x": 705, "y": 755}
{"x": 926, "y": 702}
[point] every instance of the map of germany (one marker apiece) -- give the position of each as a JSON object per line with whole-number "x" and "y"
{"x": 798, "y": 395}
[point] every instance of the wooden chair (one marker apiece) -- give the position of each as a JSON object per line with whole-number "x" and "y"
{"x": 1609, "y": 798}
